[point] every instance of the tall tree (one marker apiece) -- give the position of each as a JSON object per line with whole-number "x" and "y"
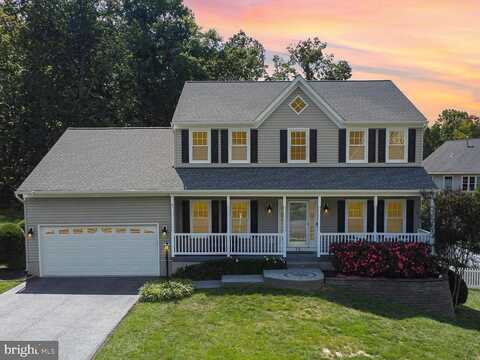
{"x": 282, "y": 69}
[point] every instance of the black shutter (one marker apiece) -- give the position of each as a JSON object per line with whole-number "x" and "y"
{"x": 341, "y": 216}
{"x": 412, "y": 143}
{"x": 253, "y": 216}
{"x": 381, "y": 144}
{"x": 410, "y": 214}
{"x": 186, "y": 216}
{"x": 372, "y": 145}
{"x": 313, "y": 145}
{"x": 342, "y": 145}
{"x": 214, "y": 141}
{"x": 253, "y": 145}
{"x": 381, "y": 216}
{"x": 283, "y": 146}
{"x": 185, "y": 146}
{"x": 370, "y": 215}
{"x": 224, "y": 145}
{"x": 215, "y": 216}
{"x": 223, "y": 219}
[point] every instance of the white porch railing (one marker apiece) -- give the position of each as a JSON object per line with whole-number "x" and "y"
{"x": 326, "y": 239}
{"x": 224, "y": 244}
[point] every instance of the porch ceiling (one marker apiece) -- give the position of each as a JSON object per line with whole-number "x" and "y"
{"x": 306, "y": 178}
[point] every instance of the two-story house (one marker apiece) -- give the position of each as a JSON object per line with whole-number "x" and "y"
{"x": 455, "y": 165}
{"x": 246, "y": 169}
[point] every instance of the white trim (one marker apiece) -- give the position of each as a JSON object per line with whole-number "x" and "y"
{"x": 209, "y": 214}
{"x": 405, "y": 146}
{"x": 307, "y": 146}
{"x": 475, "y": 184}
{"x": 248, "y": 214}
{"x": 444, "y": 182}
{"x": 364, "y": 204}
{"x": 291, "y": 107}
{"x": 307, "y": 230}
{"x": 190, "y": 146}
{"x": 247, "y": 131}
{"x": 172, "y": 225}
{"x": 404, "y": 214}
{"x": 365, "y": 146}
{"x": 451, "y": 173}
{"x": 40, "y": 264}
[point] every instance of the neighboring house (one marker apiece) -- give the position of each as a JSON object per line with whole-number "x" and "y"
{"x": 455, "y": 165}
{"x": 248, "y": 168}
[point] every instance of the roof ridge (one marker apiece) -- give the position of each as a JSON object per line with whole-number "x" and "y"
{"x": 281, "y": 81}
{"x": 121, "y": 128}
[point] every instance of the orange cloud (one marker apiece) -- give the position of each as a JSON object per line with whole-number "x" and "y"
{"x": 430, "y": 48}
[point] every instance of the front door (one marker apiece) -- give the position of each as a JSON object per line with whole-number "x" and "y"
{"x": 297, "y": 223}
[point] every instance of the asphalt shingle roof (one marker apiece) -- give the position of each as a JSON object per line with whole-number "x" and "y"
{"x": 243, "y": 101}
{"x": 455, "y": 157}
{"x": 133, "y": 159}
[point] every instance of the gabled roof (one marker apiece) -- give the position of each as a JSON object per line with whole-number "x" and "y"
{"x": 244, "y": 102}
{"x": 455, "y": 157}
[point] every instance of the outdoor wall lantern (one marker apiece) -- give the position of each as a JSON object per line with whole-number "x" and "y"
{"x": 269, "y": 209}
{"x": 325, "y": 209}
{"x": 164, "y": 231}
{"x": 30, "y": 234}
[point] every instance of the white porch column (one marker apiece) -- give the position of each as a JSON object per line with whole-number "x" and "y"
{"x": 432, "y": 220}
{"x": 229, "y": 227}
{"x": 319, "y": 218}
{"x": 172, "y": 227}
{"x": 284, "y": 204}
{"x": 375, "y": 206}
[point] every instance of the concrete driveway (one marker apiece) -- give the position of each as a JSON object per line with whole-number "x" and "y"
{"x": 78, "y": 312}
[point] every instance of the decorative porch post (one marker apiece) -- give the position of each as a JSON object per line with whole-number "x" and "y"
{"x": 172, "y": 227}
{"x": 375, "y": 206}
{"x": 432, "y": 220}
{"x": 284, "y": 204}
{"x": 319, "y": 218}
{"x": 229, "y": 227}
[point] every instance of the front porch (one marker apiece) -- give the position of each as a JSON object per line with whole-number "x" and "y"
{"x": 275, "y": 226}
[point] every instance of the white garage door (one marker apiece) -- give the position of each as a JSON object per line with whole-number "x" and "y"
{"x": 99, "y": 250}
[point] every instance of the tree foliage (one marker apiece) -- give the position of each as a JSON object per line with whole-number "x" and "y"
{"x": 451, "y": 125}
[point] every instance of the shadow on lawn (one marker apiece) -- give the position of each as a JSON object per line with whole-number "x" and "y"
{"x": 466, "y": 317}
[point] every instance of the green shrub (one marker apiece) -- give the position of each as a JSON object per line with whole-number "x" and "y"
{"x": 166, "y": 290}
{"x": 12, "y": 244}
{"x": 463, "y": 291}
{"x": 21, "y": 223}
{"x": 214, "y": 269}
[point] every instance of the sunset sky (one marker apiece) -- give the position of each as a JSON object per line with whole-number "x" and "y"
{"x": 429, "y": 48}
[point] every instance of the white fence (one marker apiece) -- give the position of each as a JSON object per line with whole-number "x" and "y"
{"x": 472, "y": 278}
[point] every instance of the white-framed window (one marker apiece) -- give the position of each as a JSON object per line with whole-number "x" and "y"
{"x": 298, "y": 105}
{"x": 298, "y": 142}
{"x": 448, "y": 182}
{"x": 199, "y": 145}
{"x": 396, "y": 145}
{"x": 357, "y": 145}
{"x": 240, "y": 213}
{"x": 200, "y": 216}
{"x": 395, "y": 215}
{"x": 356, "y": 216}
{"x": 469, "y": 183}
{"x": 239, "y": 140}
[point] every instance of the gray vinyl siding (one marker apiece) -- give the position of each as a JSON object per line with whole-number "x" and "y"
{"x": 457, "y": 180}
{"x": 311, "y": 118}
{"x": 91, "y": 211}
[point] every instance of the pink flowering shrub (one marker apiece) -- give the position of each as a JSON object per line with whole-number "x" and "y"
{"x": 384, "y": 259}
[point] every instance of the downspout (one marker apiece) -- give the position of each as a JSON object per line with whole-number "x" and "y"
{"x": 22, "y": 200}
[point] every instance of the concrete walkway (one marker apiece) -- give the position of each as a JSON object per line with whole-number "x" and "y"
{"x": 79, "y": 313}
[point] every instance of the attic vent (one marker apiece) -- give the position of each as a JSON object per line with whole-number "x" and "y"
{"x": 298, "y": 105}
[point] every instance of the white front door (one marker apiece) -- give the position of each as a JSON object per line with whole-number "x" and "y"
{"x": 298, "y": 223}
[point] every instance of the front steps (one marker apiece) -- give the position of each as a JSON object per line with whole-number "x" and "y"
{"x": 309, "y": 260}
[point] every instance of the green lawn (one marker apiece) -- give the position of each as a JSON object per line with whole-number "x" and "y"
{"x": 274, "y": 324}
{"x": 8, "y": 284}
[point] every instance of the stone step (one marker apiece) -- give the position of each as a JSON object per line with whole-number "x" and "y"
{"x": 323, "y": 265}
{"x": 240, "y": 280}
{"x": 295, "y": 278}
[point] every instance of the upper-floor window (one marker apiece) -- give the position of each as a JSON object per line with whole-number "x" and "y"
{"x": 200, "y": 216}
{"x": 448, "y": 182}
{"x": 298, "y": 145}
{"x": 396, "y": 145}
{"x": 469, "y": 183}
{"x": 240, "y": 216}
{"x": 356, "y": 219}
{"x": 298, "y": 104}
{"x": 200, "y": 144}
{"x": 357, "y": 148}
{"x": 394, "y": 222}
{"x": 239, "y": 146}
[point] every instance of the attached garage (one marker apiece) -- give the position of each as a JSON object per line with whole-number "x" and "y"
{"x": 99, "y": 250}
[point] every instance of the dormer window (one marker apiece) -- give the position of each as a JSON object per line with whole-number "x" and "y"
{"x": 199, "y": 149}
{"x": 298, "y": 105}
